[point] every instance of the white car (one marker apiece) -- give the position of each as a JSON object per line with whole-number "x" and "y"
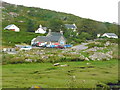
{"x": 26, "y": 48}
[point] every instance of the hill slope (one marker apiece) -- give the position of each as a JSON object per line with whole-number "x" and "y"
{"x": 22, "y": 16}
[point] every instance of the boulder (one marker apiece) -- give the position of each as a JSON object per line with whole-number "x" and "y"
{"x": 56, "y": 64}
{"x": 65, "y": 65}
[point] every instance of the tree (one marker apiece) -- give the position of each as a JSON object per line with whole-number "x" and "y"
{"x": 56, "y": 25}
{"x": 85, "y": 36}
{"x": 30, "y": 26}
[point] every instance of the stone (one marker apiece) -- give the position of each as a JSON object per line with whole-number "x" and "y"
{"x": 56, "y": 64}
{"x": 86, "y": 59}
{"x": 28, "y": 60}
{"x": 64, "y": 65}
{"x": 88, "y": 63}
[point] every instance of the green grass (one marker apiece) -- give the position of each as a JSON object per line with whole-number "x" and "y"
{"x": 17, "y": 37}
{"x": 48, "y": 76}
{"x": 43, "y": 16}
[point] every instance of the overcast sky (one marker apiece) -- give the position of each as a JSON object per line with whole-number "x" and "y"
{"x": 100, "y": 10}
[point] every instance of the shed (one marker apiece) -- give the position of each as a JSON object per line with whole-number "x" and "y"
{"x": 41, "y": 30}
{"x": 12, "y": 27}
{"x": 110, "y": 35}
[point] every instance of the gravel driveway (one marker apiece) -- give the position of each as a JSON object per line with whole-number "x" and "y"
{"x": 80, "y": 47}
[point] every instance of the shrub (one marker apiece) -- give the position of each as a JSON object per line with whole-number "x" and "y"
{"x": 92, "y": 45}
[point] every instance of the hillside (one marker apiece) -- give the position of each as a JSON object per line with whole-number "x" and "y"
{"x": 23, "y": 17}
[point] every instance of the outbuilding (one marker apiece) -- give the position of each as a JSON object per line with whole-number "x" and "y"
{"x": 110, "y": 35}
{"x": 12, "y": 27}
{"x": 41, "y": 30}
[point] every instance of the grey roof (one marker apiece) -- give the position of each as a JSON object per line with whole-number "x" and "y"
{"x": 111, "y": 34}
{"x": 54, "y": 36}
{"x": 42, "y": 38}
{"x": 45, "y": 28}
{"x": 70, "y": 26}
{"x": 8, "y": 26}
{"x": 48, "y": 38}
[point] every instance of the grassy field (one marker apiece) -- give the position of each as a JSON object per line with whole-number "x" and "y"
{"x": 76, "y": 75}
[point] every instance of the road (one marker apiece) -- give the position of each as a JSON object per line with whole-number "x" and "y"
{"x": 80, "y": 47}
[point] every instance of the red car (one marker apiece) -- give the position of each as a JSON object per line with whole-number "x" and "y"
{"x": 59, "y": 46}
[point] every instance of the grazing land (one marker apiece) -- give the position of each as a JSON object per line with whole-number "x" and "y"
{"x": 91, "y": 67}
{"x": 86, "y": 74}
{"x": 92, "y": 63}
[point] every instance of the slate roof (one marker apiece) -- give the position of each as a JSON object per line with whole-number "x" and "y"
{"x": 53, "y": 36}
{"x": 111, "y": 34}
{"x": 8, "y": 26}
{"x": 70, "y": 26}
{"x": 45, "y": 28}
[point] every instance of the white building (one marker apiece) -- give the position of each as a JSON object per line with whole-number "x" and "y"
{"x": 98, "y": 35}
{"x": 41, "y": 30}
{"x": 32, "y": 41}
{"x": 12, "y": 27}
{"x": 110, "y": 35}
{"x": 71, "y": 26}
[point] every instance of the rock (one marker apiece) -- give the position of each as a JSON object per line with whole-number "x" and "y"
{"x": 88, "y": 63}
{"x": 100, "y": 56}
{"x": 107, "y": 43}
{"x": 60, "y": 55}
{"x": 44, "y": 57}
{"x": 73, "y": 77}
{"x": 13, "y": 14}
{"x": 28, "y": 60}
{"x": 35, "y": 60}
{"x": 21, "y": 21}
{"x": 86, "y": 59}
{"x": 82, "y": 57}
{"x": 64, "y": 65}
{"x": 56, "y": 64}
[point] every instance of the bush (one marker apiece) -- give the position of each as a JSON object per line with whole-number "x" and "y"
{"x": 10, "y": 59}
{"x": 92, "y": 45}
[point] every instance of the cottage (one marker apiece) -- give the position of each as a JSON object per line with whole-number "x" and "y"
{"x": 110, "y": 35}
{"x": 52, "y": 38}
{"x": 12, "y": 27}
{"x": 32, "y": 41}
{"x": 71, "y": 26}
{"x": 98, "y": 35}
{"x": 41, "y": 30}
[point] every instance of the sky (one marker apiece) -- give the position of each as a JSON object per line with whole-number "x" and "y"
{"x": 100, "y": 10}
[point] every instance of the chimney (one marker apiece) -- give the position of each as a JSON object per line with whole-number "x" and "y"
{"x": 40, "y": 26}
{"x": 49, "y": 30}
{"x": 61, "y": 32}
{"x": 74, "y": 24}
{"x": 49, "y": 33}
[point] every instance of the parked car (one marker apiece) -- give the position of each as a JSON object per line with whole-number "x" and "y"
{"x": 26, "y": 48}
{"x": 66, "y": 46}
{"x": 50, "y": 46}
{"x": 34, "y": 44}
{"x": 59, "y": 46}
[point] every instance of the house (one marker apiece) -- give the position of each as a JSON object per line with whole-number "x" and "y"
{"x": 52, "y": 38}
{"x": 110, "y": 35}
{"x": 12, "y": 27}
{"x": 41, "y": 30}
{"x": 32, "y": 41}
{"x": 98, "y": 35}
{"x": 71, "y": 26}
